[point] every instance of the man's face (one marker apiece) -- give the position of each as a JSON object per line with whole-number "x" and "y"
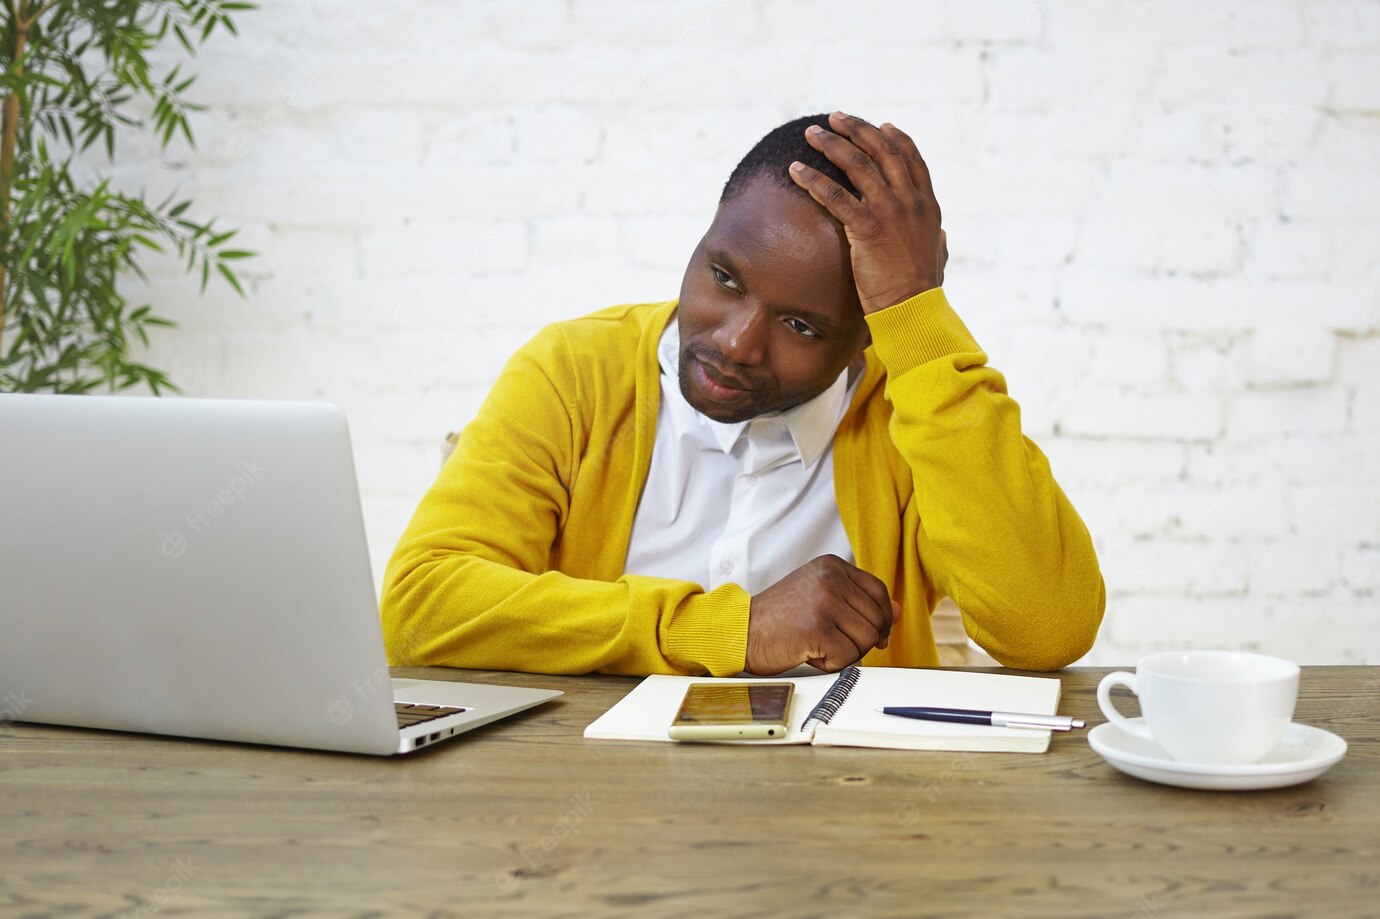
{"x": 768, "y": 314}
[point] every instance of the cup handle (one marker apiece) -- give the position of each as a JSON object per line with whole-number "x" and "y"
{"x": 1104, "y": 702}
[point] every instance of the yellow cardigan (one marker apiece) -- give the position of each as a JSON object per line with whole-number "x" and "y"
{"x": 514, "y": 559}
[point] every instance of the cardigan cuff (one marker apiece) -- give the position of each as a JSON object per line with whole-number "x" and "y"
{"x": 709, "y": 631}
{"x": 917, "y": 331}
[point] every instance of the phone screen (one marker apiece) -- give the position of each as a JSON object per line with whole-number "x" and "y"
{"x": 735, "y": 703}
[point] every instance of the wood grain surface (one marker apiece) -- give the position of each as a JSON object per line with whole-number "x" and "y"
{"x": 525, "y": 817}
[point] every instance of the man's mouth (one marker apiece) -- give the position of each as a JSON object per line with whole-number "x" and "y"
{"x": 716, "y": 385}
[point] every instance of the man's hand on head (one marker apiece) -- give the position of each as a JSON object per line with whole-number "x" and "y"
{"x": 893, "y": 229}
{"x": 827, "y": 613}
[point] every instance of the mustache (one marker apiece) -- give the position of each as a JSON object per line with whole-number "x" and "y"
{"x": 715, "y": 362}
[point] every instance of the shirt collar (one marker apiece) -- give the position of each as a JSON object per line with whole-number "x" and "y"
{"x": 811, "y": 424}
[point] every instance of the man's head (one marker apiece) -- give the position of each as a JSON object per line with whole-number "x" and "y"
{"x": 769, "y": 315}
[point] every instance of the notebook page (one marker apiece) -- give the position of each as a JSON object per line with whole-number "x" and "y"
{"x": 859, "y": 724}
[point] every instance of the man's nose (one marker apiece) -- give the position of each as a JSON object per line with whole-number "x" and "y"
{"x": 742, "y": 336}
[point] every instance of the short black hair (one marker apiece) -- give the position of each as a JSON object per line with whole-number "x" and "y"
{"x": 771, "y": 158}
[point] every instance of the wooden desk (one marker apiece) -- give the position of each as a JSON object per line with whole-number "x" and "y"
{"x": 526, "y": 816}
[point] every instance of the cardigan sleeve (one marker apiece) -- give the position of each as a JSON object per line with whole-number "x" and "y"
{"x": 997, "y": 533}
{"x": 470, "y": 583}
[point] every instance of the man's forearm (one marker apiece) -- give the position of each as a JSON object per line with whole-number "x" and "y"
{"x": 998, "y": 534}
{"x": 460, "y": 610}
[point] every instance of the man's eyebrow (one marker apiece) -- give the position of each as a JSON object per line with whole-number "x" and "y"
{"x": 822, "y": 321}
{"x": 715, "y": 254}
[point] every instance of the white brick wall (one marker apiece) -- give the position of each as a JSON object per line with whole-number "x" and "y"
{"x": 1164, "y": 220}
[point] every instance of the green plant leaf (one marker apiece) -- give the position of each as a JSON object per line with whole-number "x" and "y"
{"x": 230, "y": 277}
{"x": 67, "y": 244}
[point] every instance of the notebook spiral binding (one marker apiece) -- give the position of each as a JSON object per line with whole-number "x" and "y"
{"x": 833, "y": 700}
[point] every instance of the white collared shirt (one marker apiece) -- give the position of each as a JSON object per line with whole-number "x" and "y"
{"x": 744, "y": 503}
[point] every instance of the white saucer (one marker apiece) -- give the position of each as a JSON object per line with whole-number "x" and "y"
{"x": 1303, "y": 753}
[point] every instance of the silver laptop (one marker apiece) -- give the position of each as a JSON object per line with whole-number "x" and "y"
{"x": 199, "y": 568}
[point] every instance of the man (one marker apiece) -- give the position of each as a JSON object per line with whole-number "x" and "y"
{"x": 792, "y": 463}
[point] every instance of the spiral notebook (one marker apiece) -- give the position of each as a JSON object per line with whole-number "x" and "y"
{"x": 841, "y": 709}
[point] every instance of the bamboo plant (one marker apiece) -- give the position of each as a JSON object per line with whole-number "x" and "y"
{"x": 77, "y": 73}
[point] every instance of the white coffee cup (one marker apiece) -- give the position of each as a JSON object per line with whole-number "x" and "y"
{"x": 1208, "y": 707}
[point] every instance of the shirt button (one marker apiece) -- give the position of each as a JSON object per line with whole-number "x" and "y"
{"x": 725, "y": 566}
{"x": 749, "y": 480}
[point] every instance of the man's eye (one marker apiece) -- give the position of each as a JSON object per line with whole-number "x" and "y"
{"x": 801, "y": 328}
{"x": 723, "y": 278}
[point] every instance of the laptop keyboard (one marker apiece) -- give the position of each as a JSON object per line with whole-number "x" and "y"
{"x": 408, "y": 715}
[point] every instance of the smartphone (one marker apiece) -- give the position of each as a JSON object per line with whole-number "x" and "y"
{"x": 733, "y": 711}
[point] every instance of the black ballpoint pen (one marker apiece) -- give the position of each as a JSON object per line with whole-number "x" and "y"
{"x": 994, "y": 719}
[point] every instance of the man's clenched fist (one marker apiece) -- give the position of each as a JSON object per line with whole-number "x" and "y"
{"x": 826, "y": 613}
